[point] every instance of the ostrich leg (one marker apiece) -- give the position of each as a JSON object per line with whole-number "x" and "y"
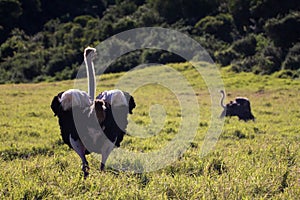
{"x": 80, "y": 150}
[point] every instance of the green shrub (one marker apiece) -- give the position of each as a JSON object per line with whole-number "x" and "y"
{"x": 240, "y": 11}
{"x": 261, "y": 42}
{"x": 83, "y": 20}
{"x": 245, "y": 46}
{"x": 3, "y": 76}
{"x": 150, "y": 56}
{"x": 225, "y": 57}
{"x": 124, "y": 24}
{"x": 244, "y": 65}
{"x": 220, "y": 26}
{"x": 145, "y": 16}
{"x": 286, "y": 74}
{"x": 160, "y": 56}
{"x": 270, "y": 60}
{"x": 292, "y": 60}
{"x": 267, "y": 61}
{"x": 212, "y": 44}
{"x": 59, "y": 59}
{"x": 284, "y": 31}
{"x": 16, "y": 43}
{"x": 125, "y": 62}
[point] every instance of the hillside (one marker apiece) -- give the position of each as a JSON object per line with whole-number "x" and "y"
{"x": 253, "y": 160}
{"x": 44, "y": 40}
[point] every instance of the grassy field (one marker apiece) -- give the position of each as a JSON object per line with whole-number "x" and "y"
{"x": 254, "y": 160}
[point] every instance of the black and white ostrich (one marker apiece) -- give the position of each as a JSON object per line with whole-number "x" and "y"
{"x": 239, "y": 107}
{"x": 89, "y": 125}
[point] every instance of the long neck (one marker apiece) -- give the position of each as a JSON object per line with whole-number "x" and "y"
{"x": 222, "y": 99}
{"x": 91, "y": 76}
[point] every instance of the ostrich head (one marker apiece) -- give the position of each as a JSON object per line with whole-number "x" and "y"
{"x": 89, "y": 54}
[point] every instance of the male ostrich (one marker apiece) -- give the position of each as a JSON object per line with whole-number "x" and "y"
{"x": 239, "y": 107}
{"x": 87, "y": 125}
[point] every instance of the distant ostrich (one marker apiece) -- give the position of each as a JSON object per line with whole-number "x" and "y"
{"x": 78, "y": 112}
{"x": 240, "y": 107}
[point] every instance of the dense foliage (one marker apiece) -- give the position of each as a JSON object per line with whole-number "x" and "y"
{"x": 44, "y": 40}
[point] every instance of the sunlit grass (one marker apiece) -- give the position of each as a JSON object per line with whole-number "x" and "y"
{"x": 254, "y": 160}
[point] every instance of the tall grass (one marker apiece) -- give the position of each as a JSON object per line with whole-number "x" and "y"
{"x": 254, "y": 160}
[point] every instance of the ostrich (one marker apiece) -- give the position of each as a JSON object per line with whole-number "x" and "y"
{"x": 78, "y": 112}
{"x": 239, "y": 107}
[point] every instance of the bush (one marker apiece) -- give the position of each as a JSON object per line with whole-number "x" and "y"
{"x": 261, "y": 42}
{"x": 42, "y": 39}
{"x": 269, "y": 61}
{"x": 286, "y": 74}
{"x": 240, "y": 11}
{"x": 225, "y": 57}
{"x": 292, "y": 60}
{"x": 169, "y": 57}
{"x": 3, "y": 76}
{"x": 220, "y": 26}
{"x": 124, "y": 24}
{"x": 245, "y": 46}
{"x": 65, "y": 74}
{"x": 59, "y": 59}
{"x": 146, "y": 17}
{"x": 125, "y": 62}
{"x": 212, "y": 45}
{"x": 83, "y": 20}
{"x": 15, "y": 43}
{"x": 160, "y": 56}
{"x": 151, "y": 56}
{"x": 244, "y": 65}
{"x": 284, "y": 31}
{"x": 240, "y": 49}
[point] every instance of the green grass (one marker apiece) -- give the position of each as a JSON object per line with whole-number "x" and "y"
{"x": 254, "y": 160}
